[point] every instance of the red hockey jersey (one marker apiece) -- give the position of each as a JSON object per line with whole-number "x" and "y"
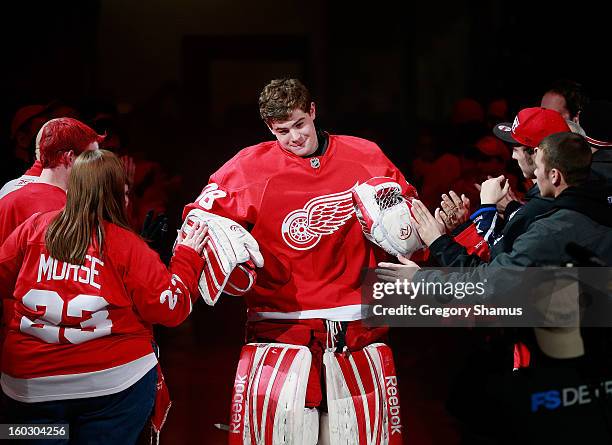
{"x": 300, "y": 211}
{"x": 20, "y": 204}
{"x": 31, "y": 175}
{"x": 84, "y": 331}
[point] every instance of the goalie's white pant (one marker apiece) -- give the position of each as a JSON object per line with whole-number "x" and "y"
{"x": 270, "y": 388}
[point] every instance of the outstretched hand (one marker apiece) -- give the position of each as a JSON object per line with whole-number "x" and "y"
{"x": 494, "y": 189}
{"x": 430, "y": 227}
{"x": 507, "y": 199}
{"x": 393, "y": 272}
{"x": 195, "y": 238}
{"x": 455, "y": 210}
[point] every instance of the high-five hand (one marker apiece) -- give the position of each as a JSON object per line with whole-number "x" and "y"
{"x": 393, "y": 272}
{"x": 455, "y": 210}
{"x": 430, "y": 228}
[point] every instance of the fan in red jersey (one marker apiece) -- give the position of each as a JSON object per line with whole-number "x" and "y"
{"x": 58, "y": 143}
{"x": 295, "y": 195}
{"x": 25, "y": 131}
{"x": 31, "y": 175}
{"x": 84, "y": 292}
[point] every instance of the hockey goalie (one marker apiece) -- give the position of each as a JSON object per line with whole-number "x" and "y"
{"x": 292, "y": 223}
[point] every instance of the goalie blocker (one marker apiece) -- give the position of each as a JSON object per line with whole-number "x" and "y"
{"x": 231, "y": 255}
{"x": 268, "y": 399}
{"x": 385, "y": 215}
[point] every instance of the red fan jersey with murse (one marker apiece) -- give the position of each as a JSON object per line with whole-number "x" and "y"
{"x": 85, "y": 330}
{"x": 300, "y": 211}
{"x": 21, "y": 203}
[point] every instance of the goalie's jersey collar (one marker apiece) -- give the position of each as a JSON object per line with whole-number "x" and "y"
{"x": 323, "y": 151}
{"x": 322, "y": 143}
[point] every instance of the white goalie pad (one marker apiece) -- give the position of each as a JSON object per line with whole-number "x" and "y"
{"x": 362, "y": 397}
{"x": 385, "y": 216}
{"x": 228, "y": 245}
{"x": 268, "y": 399}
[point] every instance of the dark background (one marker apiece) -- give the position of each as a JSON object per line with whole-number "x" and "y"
{"x": 184, "y": 77}
{"x": 375, "y": 70}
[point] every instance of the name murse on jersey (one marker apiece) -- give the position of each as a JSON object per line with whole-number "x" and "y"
{"x": 50, "y": 269}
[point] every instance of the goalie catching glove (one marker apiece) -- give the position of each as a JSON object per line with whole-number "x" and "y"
{"x": 231, "y": 255}
{"x": 385, "y": 215}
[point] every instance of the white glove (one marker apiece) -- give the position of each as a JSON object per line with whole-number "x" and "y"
{"x": 385, "y": 216}
{"x": 228, "y": 245}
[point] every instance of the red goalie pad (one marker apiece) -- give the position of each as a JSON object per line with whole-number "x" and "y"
{"x": 363, "y": 397}
{"x": 269, "y": 394}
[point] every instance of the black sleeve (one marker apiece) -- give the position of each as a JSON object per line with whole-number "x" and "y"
{"x": 521, "y": 221}
{"x": 449, "y": 253}
{"x": 512, "y": 207}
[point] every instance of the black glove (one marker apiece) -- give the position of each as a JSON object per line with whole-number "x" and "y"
{"x": 154, "y": 230}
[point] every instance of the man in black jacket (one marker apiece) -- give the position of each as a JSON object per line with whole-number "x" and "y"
{"x": 581, "y": 213}
{"x": 530, "y": 126}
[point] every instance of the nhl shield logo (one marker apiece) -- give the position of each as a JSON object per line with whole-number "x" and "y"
{"x": 315, "y": 163}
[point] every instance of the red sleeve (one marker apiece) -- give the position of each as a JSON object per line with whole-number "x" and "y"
{"x": 420, "y": 256}
{"x": 11, "y": 258}
{"x": 408, "y": 189}
{"x": 161, "y": 295}
{"x": 230, "y": 196}
{"x": 473, "y": 242}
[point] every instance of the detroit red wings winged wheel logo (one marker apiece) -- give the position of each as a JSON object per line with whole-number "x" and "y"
{"x": 302, "y": 229}
{"x": 405, "y": 232}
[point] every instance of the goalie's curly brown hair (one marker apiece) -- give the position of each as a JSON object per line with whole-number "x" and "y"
{"x": 280, "y": 97}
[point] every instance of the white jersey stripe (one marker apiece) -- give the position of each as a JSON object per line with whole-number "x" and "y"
{"x": 16, "y": 184}
{"x": 341, "y": 313}
{"x": 78, "y": 386}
